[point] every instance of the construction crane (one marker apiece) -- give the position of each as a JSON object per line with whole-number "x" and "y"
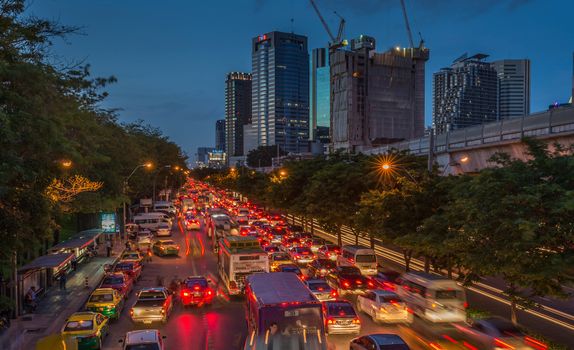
{"x": 409, "y": 33}
{"x": 337, "y": 41}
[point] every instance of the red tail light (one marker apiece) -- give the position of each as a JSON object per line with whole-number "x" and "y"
{"x": 535, "y": 343}
{"x": 346, "y": 284}
{"x": 185, "y": 294}
{"x": 371, "y": 284}
{"x": 196, "y": 288}
{"x": 356, "y": 320}
{"x": 466, "y": 305}
{"x": 209, "y": 292}
{"x": 501, "y": 344}
{"x": 334, "y": 293}
{"x": 131, "y": 312}
{"x": 330, "y": 320}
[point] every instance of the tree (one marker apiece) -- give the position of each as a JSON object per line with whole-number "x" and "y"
{"x": 263, "y": 155}
{"x": 516, "y": 221}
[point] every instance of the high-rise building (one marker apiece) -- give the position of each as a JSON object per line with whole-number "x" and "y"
{"x": 320, "y": 99}
{"x": 220, "y": 134}
{"x": 377, "y": 98}
{"x": 237, "y": 110}
{"x": 465, "y": 94}
{"x": 513, "y": 88}
{"x": 202, "y": 155}
{"x": 280, "y": 90}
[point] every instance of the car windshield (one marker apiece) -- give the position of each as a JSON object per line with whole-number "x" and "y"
{"x": 290, "y": 269}
{"x": 101, "y": 298}
{"x": 303, "y": 250}
{"x": 167, "y": 243}
{"x": 146, "y": 346}
{"x": 390, "y": 298}
{"x": 328, "y": 264}
{"x": 196, "y": 282}
{"x": 332, "y": 247}
{"x": 366, "y": 258}
{"x": 318, "y": 241}
{"x": 113, "y": 280}
{"x": 124, "y": 267}
{"x": 341, "y": 310}
{"x": 281, "y": 257}
{"x": 446, "y": 294}
{"x": 319, "y": 286}
{"x": 130, "y": 256}
{"x": 349, "y": 270}
{"x": 83, "y": 325}
{"x": 151, "y": 295}
{"x": 163, "y": 226}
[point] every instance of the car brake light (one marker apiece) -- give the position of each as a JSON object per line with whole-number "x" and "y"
{"x": 371, "y": 284}
{"x": 209, "y": 292}
{"x": 330, "y": 321}
{"x": 535, "y": 343}
{"x": 501, "y": 344}
{"x": 131, "y": 312}
{"x": 356, "y": 320}
{"x": 465, "y": 304}
{"x": 185, "y": 294}
{"x": 334, "y": 293}
{"x": 346, "y": 284}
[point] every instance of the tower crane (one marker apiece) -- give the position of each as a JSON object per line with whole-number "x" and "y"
{"x": 337, "y": 41}
{"x": 409, "y": 33}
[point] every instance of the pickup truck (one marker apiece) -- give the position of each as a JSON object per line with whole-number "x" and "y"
{"x": 152, "y": 304}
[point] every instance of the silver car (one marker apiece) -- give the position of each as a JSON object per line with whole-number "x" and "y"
{"x": 498, "y": 333}
{"x": 321, "y": 290}
{"x": 384, "y": 306}
{"x": 341, "y": 318}
{"x": 143, "y": 339}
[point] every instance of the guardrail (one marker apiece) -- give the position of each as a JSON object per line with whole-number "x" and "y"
{"x": 543, "y": 124}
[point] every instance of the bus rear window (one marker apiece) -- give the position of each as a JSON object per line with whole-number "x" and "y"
{"x": 447, "y": 294}
{"x": 366, "y": 259}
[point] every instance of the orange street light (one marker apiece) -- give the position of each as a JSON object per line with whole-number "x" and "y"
{"x": 283, "y": 173}
{"x": 464, "y": 159}
{"x": 148, "y": 165}
{"x": 66, "y": 163}
{"x": 385, "y": 166}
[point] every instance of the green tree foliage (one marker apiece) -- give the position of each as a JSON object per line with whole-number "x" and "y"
{"x": 49, "y": 114}
{"x": 262, "y": 155}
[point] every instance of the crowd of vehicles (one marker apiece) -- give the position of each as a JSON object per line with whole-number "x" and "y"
{"x": 299, "y": 290}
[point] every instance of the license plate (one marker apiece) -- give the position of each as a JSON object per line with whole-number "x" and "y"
{"x": 197, "y": 294}
{"x": 344, "y": 322}
{"x": 147, "y": 321}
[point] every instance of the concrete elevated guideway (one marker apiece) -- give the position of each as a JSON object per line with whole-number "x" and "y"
{"x": 468, "y": 150}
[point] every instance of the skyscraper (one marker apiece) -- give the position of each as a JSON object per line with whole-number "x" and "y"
{"x": 513, "y": 88}
{"x": 465, "y": 94}
{"x": 237, "y": 111}
{"x": 220, "y": 134}
{"x": 377, "y": 98}
{"x": 320, "y": 99}
{"x": 280, "y": 90}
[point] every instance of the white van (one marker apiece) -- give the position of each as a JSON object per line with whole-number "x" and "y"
{"x": 167, "y": 207}
{"x": 361, "y": 257}
{"x": 433, "y": 297}
{"x": 150, "y": 221}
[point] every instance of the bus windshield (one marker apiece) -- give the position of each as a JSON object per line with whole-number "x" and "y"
{"x": 366, "y": 258}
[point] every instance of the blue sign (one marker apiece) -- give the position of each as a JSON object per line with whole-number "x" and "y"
{"x": 108, "y": 222}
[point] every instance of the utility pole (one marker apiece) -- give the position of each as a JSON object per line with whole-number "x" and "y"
{"x": 431, "y": 151}
{"x": 15, "y": 277}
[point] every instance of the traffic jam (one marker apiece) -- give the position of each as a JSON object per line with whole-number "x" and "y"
{"x": 299, "y": 291}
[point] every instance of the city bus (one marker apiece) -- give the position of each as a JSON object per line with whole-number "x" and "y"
{"x": 237, "y": 258}
{"x": 282, "y": 313}
{"x": 220, "y": 226}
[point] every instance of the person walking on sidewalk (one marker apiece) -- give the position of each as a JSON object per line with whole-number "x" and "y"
{"x": 63, "y": 280}
{"x": 74, "y": 263}
{"x": 108, "y": 248}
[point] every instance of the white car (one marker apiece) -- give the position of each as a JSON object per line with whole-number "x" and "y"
{"x": 163, "y": 230}
{"x": 384, "y": 306}
{"x": 143, "y": 339}
{"x": 144, "y": 237}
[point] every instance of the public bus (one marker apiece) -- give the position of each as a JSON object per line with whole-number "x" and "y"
{"x": 220, "y": 226}
{"x": 237, "y": 258}
{"x": 282, "y": 313}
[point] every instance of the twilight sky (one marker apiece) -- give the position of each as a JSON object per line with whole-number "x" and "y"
{"x": 171, "y": 56}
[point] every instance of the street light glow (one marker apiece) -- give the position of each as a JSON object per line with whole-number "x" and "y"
{"x": 386, "y": 166}
{"x": 66, "y": 163}
{"x": 283, "y": 173}
{"x": 464, "y": 159}
{"x": 148, "y": 165}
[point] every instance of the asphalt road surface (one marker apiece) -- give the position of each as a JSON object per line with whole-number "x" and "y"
{"x": 220, "y": 326}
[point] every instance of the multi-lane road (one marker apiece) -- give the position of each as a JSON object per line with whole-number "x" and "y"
{"x": 220, "y": 326}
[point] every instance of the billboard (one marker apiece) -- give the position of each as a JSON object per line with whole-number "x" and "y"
{"x": 108, "y": 222}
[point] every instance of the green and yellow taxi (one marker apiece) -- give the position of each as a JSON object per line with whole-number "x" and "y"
{"x": 107, "y": 301}
{"x": 164, "y": 247}
{"x": 87, "y": 329}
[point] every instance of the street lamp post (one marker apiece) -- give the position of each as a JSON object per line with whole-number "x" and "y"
{"x": 155, "y": 178}
{"x": 124, "y": 190}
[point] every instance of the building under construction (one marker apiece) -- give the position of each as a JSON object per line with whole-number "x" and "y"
{"x": 376, "y": 98}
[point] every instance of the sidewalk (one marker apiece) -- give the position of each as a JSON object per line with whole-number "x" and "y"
{"x": 57, "y": 305}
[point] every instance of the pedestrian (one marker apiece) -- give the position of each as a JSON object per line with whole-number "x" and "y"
{"x": 148, "y": 254}
{"x": 63, "y": 279}
{"x": 108, "y": 248}
{"x": 30, "y": 299}
{"x": 74, "y": 263}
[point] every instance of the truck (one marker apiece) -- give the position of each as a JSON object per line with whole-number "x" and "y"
{"x": 282, "y": 313}
{"x": 152, "y": 305}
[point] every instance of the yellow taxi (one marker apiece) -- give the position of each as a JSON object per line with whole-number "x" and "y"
{"x": 107, "y": 301}
{"x": 87, "y": 329}
{"x": 278, "y": 259}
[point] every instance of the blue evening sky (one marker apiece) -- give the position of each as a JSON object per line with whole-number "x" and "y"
{"x": 171, "y": 57}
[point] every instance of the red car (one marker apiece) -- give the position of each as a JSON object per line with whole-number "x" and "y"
{"x": 196, "y": 291}
{"x": 119, "y": 282}
{"x": 133, "y": 269}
